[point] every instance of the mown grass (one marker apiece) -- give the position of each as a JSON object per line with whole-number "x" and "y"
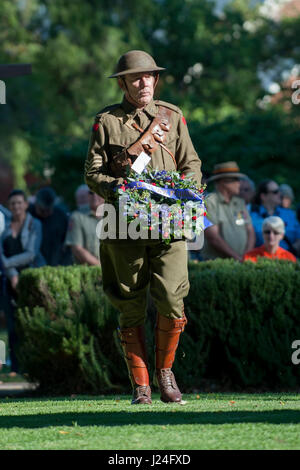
{"x": 206, "y": 421}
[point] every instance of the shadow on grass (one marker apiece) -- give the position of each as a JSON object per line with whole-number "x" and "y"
{"x": 151, "y": 417}
{"x": 34, "y": 396}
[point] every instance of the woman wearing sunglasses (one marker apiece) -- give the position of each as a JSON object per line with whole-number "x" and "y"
{"x": 273, "y": 230}
{"x": 267, "y": 203}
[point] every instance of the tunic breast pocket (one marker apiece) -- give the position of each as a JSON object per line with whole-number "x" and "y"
{"x": 115, "y": 147}
{"x": 119, "y": 142}
{"x": 119, "y": 160}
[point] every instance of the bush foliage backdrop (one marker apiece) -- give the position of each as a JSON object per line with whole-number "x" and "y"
{"x": 242, "y": 321}
{"x": 214, "y": 59}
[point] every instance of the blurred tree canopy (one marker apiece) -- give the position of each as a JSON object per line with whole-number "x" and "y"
{"x": 217, "y": 63}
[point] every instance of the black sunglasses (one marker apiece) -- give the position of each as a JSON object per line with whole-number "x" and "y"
{"x": 273, "y": 191}
{"x": 231, "y": 180}
{"x": 267, "y": 232}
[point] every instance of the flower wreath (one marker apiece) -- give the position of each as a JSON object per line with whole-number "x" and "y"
{"x": 164, "y": 202}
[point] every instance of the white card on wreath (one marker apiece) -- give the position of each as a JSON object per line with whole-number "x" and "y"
{"x": 141, "y": 162}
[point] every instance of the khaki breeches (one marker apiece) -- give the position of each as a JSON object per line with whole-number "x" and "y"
{"x": 128, "y": 271}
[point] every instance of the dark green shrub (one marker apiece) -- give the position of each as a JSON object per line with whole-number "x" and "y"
{"x": 243, "y": 319}
{"x": 67, "y": 331}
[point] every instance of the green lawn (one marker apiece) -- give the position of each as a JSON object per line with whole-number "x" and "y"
{"x": 206, "y": 421}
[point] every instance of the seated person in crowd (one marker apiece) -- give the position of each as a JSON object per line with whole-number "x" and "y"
{"x": 247, "y": 191}
{"x": 54, "y": 226}
{"x": 232, "y": 234}
{"x": 81, "y": 235}
{"x": 286, "y": 196}
{"x": 3, "y": 214}
{"x": 82, "y": 198}
{"x": 19, "y": 248}
{"x": 2, "y": 277}
{"x": 273, "y": 232}
{"x": 21, "y": 239}
{"x": 267, "y": 203}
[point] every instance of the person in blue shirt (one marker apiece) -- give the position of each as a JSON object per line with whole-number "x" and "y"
{"x": 267, "y": 203}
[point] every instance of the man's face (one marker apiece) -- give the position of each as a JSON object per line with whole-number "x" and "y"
{"x": 82, "y": 197}
{"x": 272, "y": 195}
{"x": 230, "y": 186}
{"x": 17, "y": 205}
{"x": 95, "y": 201}
{"x": 246, "y": 191}
{"x": 43, "y": 212}
{"x": 138, "y": 88}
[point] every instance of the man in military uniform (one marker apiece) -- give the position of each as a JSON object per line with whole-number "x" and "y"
{"x": 232, "y": 234}
{"x": 81, "y": 233}
{"x": 141, "y": 127}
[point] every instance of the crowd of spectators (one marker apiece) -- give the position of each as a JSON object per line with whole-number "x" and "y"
{"x": 239, "y": 210}
{"x": 249, "y": 222}
{"x": 42, "y": 233}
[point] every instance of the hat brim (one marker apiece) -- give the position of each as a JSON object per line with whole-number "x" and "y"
{"x": 137, "y": 70}
{"x": 226, "y": 175}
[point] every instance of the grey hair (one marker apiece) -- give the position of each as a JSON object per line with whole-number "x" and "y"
{"x": 286, "y": 190}
{"x": 82, "y": 187}
{"x": 275, "y": 223}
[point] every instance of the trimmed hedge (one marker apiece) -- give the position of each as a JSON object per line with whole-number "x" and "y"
{"x": 246, "y": 317}
{"x": 67, "y": 331}
{"x": 243, "y": 319}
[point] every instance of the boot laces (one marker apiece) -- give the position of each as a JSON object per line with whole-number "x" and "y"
{"x": 167, "y": 378}
{"x": 143, "y": 390}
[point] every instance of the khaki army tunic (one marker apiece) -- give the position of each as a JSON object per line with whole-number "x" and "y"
{"x": 82, "y": 232}
{"x": 129, "y": 268}
{"x": 232, "y": 218}
{"x": 113, "y": 132}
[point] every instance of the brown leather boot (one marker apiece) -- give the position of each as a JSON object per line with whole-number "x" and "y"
{"x": 167, "y": 333}
{"x": 134, "y": 348}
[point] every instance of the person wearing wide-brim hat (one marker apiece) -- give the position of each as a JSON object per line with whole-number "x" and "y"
{"x": 130, "y": 267}
{"x": 135, "y": 62}
{"x": 232, "y": 233}
{"x": 226, "y": 170}
{"x": 130, "y": 65}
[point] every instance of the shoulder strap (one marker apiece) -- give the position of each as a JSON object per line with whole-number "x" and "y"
{"x": 164, "y": 115}
{"x": 168, "y": 105}
{"x": 109, "y": 108}
{"x": 154, "y": 135}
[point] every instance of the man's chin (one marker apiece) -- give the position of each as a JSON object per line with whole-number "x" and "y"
{"x": 140, "y": 102}
{"x": 145, "y": 100}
